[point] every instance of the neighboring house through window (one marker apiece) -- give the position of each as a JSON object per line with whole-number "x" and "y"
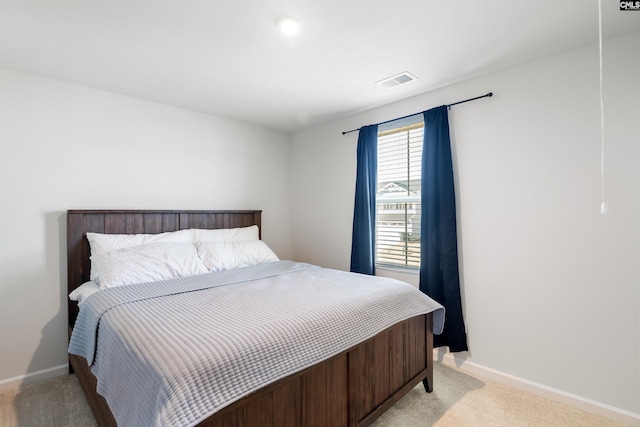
{"x": 398, "y": 193}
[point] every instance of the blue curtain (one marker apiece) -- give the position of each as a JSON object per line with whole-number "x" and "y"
{"x": 439, "y": 276}
{"x": 364, "y": 211}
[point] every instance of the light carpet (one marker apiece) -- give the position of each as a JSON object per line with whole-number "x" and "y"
{"x": 458, "y": 400}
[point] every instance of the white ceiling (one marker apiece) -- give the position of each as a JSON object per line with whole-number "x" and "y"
{"x": 227, "y": 57}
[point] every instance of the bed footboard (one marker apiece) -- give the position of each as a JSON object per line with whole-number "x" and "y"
{"x": 350, "y": 389}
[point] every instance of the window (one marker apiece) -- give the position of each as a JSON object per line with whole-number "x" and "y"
{"x": 398, "y": 196}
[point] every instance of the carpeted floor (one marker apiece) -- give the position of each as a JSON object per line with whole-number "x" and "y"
{"x": 458, "y": 400}
{"x": 461, "y": 400}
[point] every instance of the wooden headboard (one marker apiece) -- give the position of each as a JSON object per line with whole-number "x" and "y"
{"x": 79, "y": 222}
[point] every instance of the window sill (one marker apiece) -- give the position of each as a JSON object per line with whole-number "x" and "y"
{"x": 415, "y": 272}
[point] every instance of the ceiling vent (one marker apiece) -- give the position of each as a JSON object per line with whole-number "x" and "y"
{"x": 396, "y": 80}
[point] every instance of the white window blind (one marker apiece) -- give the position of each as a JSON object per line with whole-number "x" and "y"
{"x": 398, "y": 197}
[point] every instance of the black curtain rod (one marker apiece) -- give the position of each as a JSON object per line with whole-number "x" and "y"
{"x": 488, "y": 95}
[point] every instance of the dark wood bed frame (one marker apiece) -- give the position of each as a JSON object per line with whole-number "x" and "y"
{"x": 350, "y": 389}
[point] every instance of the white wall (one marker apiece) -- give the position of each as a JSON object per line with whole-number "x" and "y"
{"x": 550, "y": 286}
{"x": 70, "y": 147}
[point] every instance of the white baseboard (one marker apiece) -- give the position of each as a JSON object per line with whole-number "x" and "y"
{"x": 575, "y": 401}
{"x": 33, "y": 377}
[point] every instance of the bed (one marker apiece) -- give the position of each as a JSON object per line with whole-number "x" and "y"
{"x": 351, "y": 388}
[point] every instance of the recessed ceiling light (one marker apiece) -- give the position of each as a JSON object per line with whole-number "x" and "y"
{"x": 289, "y": 26}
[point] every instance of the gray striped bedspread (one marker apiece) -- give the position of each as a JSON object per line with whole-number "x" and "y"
{"x": 173, "y": 353}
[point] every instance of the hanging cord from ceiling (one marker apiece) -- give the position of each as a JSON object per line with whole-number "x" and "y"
{"x": 604, "y": 208}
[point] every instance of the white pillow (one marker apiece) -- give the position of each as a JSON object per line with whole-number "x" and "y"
{"x": 218, "y": 256}
{"x": 103, "y": 243}
{"x": 243, "y": 234}
{"x": 149, "y": 263}
{"x": 83, "y": 291}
